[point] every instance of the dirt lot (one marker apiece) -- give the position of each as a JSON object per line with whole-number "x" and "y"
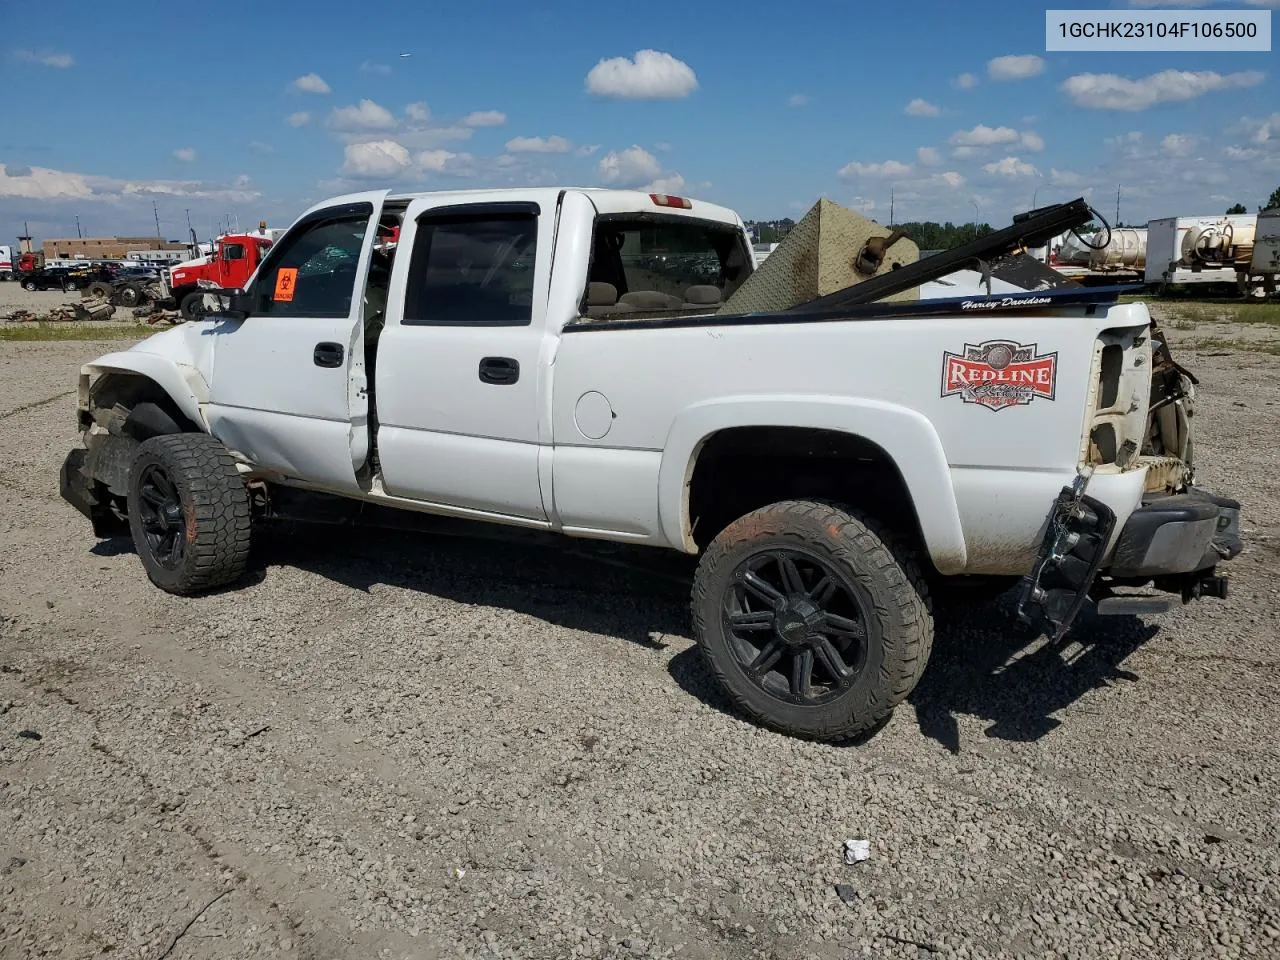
{"x": 435, "y": 747}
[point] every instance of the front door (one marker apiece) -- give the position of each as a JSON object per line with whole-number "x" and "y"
{"x": 460, "y": 380}
{"x": 289, "y": 388}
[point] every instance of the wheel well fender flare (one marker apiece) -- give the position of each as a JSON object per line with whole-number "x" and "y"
{"x": 906, "y": 435}
{"x": 183, "y": 384}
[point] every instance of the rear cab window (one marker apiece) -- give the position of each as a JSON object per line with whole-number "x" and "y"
{"x": 656, "y": 265}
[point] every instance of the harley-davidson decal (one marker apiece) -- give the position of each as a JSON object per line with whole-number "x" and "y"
{"x": 999, "y": 374}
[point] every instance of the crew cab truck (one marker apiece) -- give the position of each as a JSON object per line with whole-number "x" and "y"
{"x": 555, "y": 359}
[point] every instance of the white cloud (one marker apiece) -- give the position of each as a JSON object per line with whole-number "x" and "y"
{"x": 984, "y": 136}
{"x": 46, "y": 58}
{"x": 506, "y": 160}
{"x": 185, "y": 154}
{"x": 921, "y": 108}
{"x": 1179, "y": 144}
{"x": 651, "y": 75}
{"x": 587, "y": 149}
{"x": 538, "y": 145}
{"x": 1243, "y": 153}
{"x": 1109, "y": 91}
{"x": 798, "y": 100}
{"x": 1010, "y": 167}
{"x": 928, "y": 156}
{"x": 630, "y": 167}
{"x": 966, "y": 81}
{"x": 1033, "y": 141}
{"x": 485, "y": 118}
{"x": 310, "y": 83}
{"x": 1015, "y": 67}
{"x": 890, "y": 168}
{"x": 299, "y": 119}
{"x": 1064, "y": 178}
{"x": 366, "y": 115}
{"x": 379, "y": 68}
{"x": 41, "y": 183}
{"x": 951, "y": 178}
{"x": 1261, "y": 131}
{"x": 672, "y": 183}
{"x": 376, "y": 158}
{"x": 242, "y": 181}
{"x": 437, "y": 161}
{"x": 416, "y": 112}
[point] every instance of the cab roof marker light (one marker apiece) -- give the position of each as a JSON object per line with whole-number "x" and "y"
{"x": 666, "y": 200}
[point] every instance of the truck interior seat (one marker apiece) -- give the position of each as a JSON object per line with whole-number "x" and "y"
{"x": 651, "y": 300}
{"x": 701, "y": 295}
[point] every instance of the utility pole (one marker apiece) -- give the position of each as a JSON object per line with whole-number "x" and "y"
{"x": 78, "y": 233}
{"x": 891, "y": 206}
{"x": 155, "y": 209}
{"x": 1117, "y": 219}
{"x": 977, "y": 214}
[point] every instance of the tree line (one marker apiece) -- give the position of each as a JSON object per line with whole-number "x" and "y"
{"x": 1272, "y": 202}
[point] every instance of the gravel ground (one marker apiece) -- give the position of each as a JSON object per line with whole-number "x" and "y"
{"x": 436, "y": 746}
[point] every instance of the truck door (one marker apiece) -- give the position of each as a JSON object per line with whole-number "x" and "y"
{"x": 288, "y": 388}
{"x": 460, "y": 379}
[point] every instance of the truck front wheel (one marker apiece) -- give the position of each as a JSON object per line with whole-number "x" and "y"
{"x": 188, "y": 513}
{"x": 811, "y": 621}
{"x": 192, "y": 305}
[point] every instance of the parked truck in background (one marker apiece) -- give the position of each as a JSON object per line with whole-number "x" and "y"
{"x": 232, "y": 261}
{"x": 557, "y": 360}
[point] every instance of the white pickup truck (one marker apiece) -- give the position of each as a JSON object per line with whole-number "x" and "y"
{"x": 558, "y": 359}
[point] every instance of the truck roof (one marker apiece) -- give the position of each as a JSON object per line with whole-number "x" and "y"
{"x": 606, "y": 200}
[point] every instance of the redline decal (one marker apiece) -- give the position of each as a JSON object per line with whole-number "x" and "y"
{"x": 998, "y": 374}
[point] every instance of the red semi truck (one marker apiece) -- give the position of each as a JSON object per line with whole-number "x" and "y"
{"x": 232, "y": 262}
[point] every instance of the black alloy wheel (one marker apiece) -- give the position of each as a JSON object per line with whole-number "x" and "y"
{"x": 161, "y": 517}
{"x": 797, "y": 626}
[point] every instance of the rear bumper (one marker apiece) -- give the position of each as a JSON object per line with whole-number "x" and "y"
{"x": 1172, "y": 535}
{"x": 1172, "y": 542}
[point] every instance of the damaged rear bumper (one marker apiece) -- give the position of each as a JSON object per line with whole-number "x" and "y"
{"x": 1172, "y": 542}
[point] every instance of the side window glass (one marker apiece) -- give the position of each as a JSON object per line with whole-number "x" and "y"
{"x": 474, "y": 270}
{"x": 313, "y": 274}
{"x": 233, "y": 251}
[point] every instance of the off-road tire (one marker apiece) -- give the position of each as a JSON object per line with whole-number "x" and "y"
{"x": 215, "y": 511}
{"x": 101, "y": 289}
{"x": 898, "y": 643}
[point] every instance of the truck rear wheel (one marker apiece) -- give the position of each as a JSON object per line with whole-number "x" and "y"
{"x": 188, "y": 513}
{"x": 812, "y": 623}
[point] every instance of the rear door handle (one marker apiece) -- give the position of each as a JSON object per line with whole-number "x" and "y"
{"x": 499, "y": 370}
{"x": 328, "y": 355}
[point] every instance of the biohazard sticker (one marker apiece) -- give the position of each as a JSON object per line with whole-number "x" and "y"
{"x": 998, "y": 374}
{"x": 286, "y": 280}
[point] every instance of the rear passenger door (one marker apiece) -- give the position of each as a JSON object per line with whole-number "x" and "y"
{"x": 459, "y": 382}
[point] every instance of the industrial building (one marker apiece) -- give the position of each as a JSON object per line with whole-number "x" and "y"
{"x": 103, "y": 248}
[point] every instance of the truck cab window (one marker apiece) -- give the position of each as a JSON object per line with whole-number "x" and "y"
{"x": 233, "y": 251}
{"x": 474, "y": 270}
{"x": 313, "y": 273}
{"x": 654, "y": 266}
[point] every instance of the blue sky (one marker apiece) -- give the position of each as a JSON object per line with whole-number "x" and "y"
{"x": 259, "y": 110}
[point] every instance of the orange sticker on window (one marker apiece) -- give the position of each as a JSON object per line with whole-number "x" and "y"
{"x": 286, "y": 279}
